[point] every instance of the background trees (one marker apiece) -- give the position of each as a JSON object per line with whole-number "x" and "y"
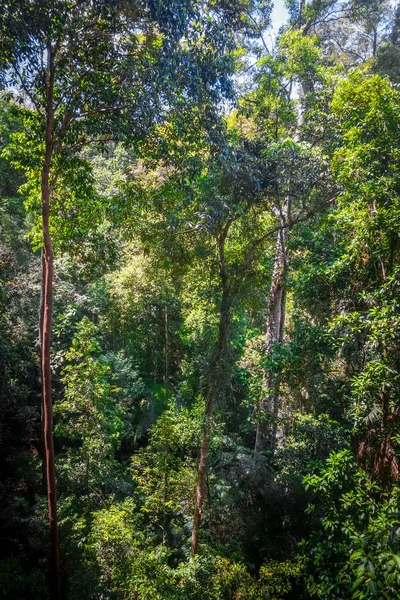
{"x": 224, "y": 339}
{"x": 85, "y": 69}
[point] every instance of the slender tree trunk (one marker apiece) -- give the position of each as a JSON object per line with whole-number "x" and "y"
{"x": 375, "y": 42}
{"x": 41, "y": 316}
{"x": 276, "y": 398}
{"x": 166, "y": 355}
{"x": 47, "y": 295}
{"x": 41, "y": 307}
{"x": 269, "y": 405}
{"x": 201, "y": 474}
{"x": 301, "y": 11}
{"x": 215, "y": 386}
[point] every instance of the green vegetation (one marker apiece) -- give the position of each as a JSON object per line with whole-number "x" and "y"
{"x": 199, "y": 300}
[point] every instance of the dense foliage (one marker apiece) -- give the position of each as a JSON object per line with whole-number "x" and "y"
{"x": 210, "y": 216}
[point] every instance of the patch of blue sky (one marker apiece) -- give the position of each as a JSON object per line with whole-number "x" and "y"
{"x": 279, "y": 15}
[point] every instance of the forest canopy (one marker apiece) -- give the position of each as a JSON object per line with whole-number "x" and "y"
{"x": 199, "y": 299}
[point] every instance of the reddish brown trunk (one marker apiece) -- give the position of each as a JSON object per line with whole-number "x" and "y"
{"x": 46, "y": 316}
{"x": 41, "y": 314}
{"x": 48, "y": 411}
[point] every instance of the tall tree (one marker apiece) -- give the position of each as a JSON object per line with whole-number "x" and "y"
{"x": 226, "y": 211}
{"x": 89, "y": 72}
{"x": 295, "y": 190}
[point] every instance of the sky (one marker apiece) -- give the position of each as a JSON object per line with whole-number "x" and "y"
{"x": 278, "y": 18}
{"x": 279, "y": 15}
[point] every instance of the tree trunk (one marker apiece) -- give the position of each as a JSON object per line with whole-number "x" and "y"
{"x": 269, "y": 404}
{"x": 276, "y": 399}
{"x": 46, "y": 314}
{"x": 41, "y": 316}
{"x": 201, "y": 474}
{"x": 215, "y": 386}
{"x": 375, "y": 42}
{"x": 166, "y": 346}
{"x": 301, "y": 12}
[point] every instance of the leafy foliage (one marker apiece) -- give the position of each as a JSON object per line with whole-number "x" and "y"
{"x": 197, "y": 173}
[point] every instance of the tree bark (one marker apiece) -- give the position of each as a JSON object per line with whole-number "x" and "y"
{"x": 46, "y": 315}
{"x": 215, "y": 386}
{"x": 41, "y": 316}
{"x": 201, "y": 475}
{"x": 269, "y": 404}
{"x": 166, "y": 345}
{"x": 301, "y": 13}
{"x": 276, "y": 399}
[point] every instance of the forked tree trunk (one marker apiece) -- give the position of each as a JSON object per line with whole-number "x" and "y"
{"x": 216, "y": 383}
{"x": 46, "y": 316}
{"x": 269, "y": 404}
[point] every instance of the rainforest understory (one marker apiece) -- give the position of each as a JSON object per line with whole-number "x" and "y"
{"x": 199, "y": 299}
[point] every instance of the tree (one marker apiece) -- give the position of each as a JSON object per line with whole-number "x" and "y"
{"x": 354, "y": 553}
{"x": 371, "y": 149}
{"x": 225, "y": 299}
{"x": 83, "y": 70}
{"x": 90, "y": 416}
{"x": 388, "y": 58}
{"x": 299, "y": 186}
